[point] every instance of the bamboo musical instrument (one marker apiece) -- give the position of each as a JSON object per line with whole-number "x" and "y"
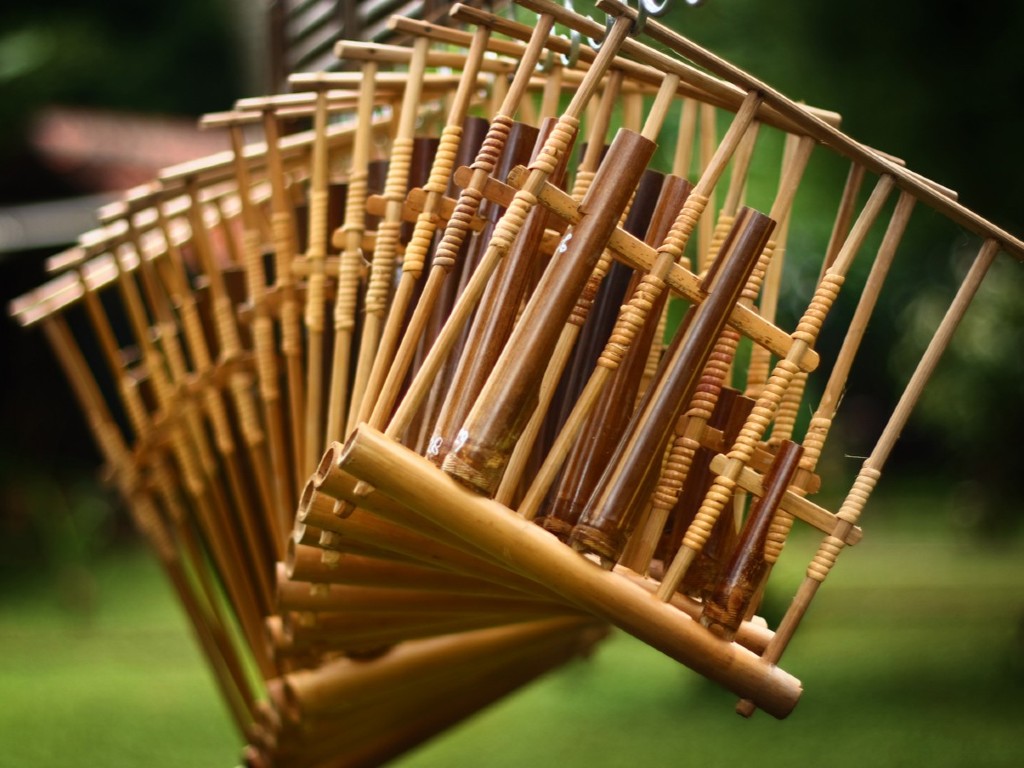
{"x": 380, "y": 520}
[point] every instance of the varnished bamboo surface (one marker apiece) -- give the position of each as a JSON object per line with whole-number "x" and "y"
{"x": 397, "y": 391}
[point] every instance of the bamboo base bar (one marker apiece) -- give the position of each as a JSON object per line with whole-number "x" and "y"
{"x": 532, "y": 552}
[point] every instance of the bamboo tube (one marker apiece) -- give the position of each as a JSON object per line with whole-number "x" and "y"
{"x": 577, "y": 317}
{"x": 611, "y": 513}
{"x": 423, "y": 233}
{"x": 730, "y": 413}
{"x": 388, "y": 231}
{"x": 305, "y": 563}
{"x": 520, "y": 139}
{"x": 507, "y": 229}
{"x": 413, "y": 481}
{"x": 445, "y": 255}
{"x": 334, "y": 598}
{"x": 486, "y": 439}
{"x": 743, "y": 576}
{"x": 497, "y": 313}
{"x": 353, "y": 632}
{"x": 608, "y": 419}
{"x": 767, "y": 404}
{"x": 852, "y": 507}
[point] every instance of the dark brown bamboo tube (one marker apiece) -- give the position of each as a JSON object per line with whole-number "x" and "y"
{"x": 526, "y": 548}
{"x": 597, "y": 440}
{"x": 611, "y": 514}
{"x": 558, "y": 143}
{"x": 487, "y": 437}
{"x": 447, "y": 289}
{"x": 730, "y": 414}
{"x": 499, "y": 307}
{"x": 743, "y": 576}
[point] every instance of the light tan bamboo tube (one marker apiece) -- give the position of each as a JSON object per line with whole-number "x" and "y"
{"x": 306, "y": 596}
{"x": 382, "y": 730}
{"x": 350, "y": 263}
{"x": 304, "y": 563}
{"x": 354, "y": 633}
{"x": 343, "y": 685}
{"x": 314, "y": 317}
{"x": 852, "y": 507}
{"x": 527, "y": 549}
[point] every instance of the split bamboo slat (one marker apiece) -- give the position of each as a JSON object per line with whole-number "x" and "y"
{"x": 392, "y": 389}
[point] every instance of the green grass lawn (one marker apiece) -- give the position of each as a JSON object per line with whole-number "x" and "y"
{"x": 912, "y": 655}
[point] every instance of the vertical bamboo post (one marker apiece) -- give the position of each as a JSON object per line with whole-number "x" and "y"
{"x": 349, "y": 264}
{"x": 418, "y": 247}
{"x": 764, "y": 411}
{"x": 378, "y": 290}
{"x": 852, "y": 507}
{"x": 285, "y": 241}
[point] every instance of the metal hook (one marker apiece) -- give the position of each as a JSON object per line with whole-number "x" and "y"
{"x": 575, "y": 40}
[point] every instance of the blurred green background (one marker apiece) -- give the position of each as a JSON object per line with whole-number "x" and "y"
{"x": 913, "y": 652}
